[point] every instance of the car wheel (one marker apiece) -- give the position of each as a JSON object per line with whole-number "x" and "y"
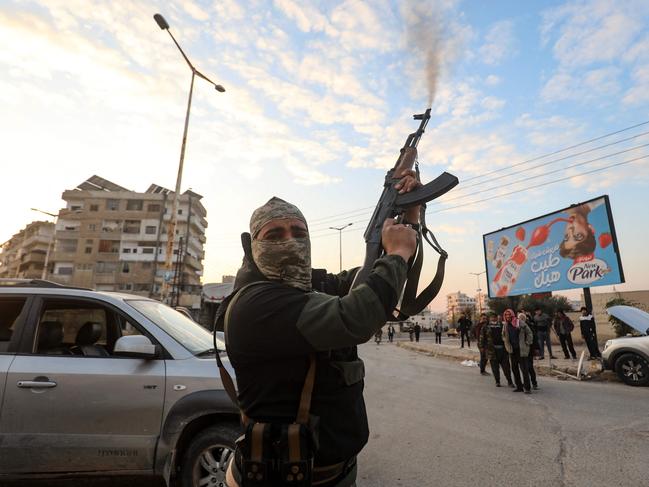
{"x": 206, "y": 459}
{"x": 632, "y": 369}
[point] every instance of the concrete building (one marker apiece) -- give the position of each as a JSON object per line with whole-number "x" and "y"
{"x": 458, "y": 303}
{"x": 481, "y": 303}
{"x": 113, "y": 239}
{"x": 23, "y": 255}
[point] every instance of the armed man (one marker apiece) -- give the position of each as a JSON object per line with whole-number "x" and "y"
{"x": 276, "y": 322}
{"x": 292, "y": 338}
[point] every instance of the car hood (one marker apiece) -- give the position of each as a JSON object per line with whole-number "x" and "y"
{"x": 629, "y": 315}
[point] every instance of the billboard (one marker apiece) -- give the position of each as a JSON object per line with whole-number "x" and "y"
{"x": 572, "y": 248}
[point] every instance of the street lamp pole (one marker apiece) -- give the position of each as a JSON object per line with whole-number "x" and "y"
{"x": 340, "y": 242}
{"x": 49, "y": 244}
{"x": 171, "y": 228}
{"x": 477, "y": 277}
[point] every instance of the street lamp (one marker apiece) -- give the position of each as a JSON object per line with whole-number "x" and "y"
{"x": 340, "y": 241}
{"x": 477, "y": 276}
{"x": 171, "y": 229}
{"x": 49, "y": 244}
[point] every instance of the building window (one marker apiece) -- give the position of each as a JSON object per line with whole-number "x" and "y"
{"x": 92, "y": 227}
{"x": 110, "y": 226}
{"x": 153, "y": 207}
{"x": 84, "y": 267}
{"x": 112, "y": 205}
{"x": 89, "y": 241}
{"x": 126, "y": 251}
{"x": 88, "y": 250}
{"x": 76, "y": 207}
{"x": 65, "y": 271}
{"x": 132, "y": 226}
{"x": 94, "y": 207}
{"x": 109, "y": 246}
{"x": 67, "y": 245}
{"x": 125, "y": 268}
{"x": 134, "y": 205}
{"x": 127, "y": 286}
{"x": 147, "y": 250}
{"x": 150, "y": 229}
{"x": 106, "y": 267}
{"x": 180, "y": 212}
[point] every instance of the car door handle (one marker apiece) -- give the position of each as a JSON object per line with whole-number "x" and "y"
{"x": 36, "y": 384}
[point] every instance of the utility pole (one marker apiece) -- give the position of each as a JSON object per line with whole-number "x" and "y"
{"x": 49, "y": 244}
{"x": 340, "y": 242}
{"x": 477, "y": 276}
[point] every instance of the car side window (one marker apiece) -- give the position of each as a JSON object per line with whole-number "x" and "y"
{"x": 10, "y": 310}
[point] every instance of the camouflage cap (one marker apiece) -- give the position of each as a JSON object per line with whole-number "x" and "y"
{"x": 275, "y": 208}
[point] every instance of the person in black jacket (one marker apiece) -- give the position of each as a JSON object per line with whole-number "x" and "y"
{"x": 275, "y": 324}
{"x": 588, "y": 331}
{"x": 464, "y": 327}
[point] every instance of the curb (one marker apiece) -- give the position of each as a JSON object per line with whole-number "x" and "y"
{"x": 541, "y": 368}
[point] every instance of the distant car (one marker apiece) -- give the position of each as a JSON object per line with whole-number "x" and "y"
{"x": 101, "y": 383}
{"x": 452, "y": 332}
{"x": 629, "y": 356}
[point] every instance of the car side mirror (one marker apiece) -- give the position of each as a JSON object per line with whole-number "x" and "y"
{"x": 137, "y": 346}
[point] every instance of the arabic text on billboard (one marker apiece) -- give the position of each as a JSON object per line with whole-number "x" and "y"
{"x": 572, "y": 248}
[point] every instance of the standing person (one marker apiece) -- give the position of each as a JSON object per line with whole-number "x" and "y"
{"x": 390, "y": 333}
{"x": 563, "y": 327}
{"x": 491, "y": 340}
{"x": 378, "y": 336}
{"x": 282, "y": 336}
{"x": 464, "y": 327}
{"x": 417, "y": 331}
{"x": 588, "y": 331}
{"x": 526, "y": 317}
{"x": 411, "y": 333}
{"x": 438, "y": 329}
{"x": 543, "y": 322}
{"x": 483, "y": 354}
{"x": 518, "y": 338}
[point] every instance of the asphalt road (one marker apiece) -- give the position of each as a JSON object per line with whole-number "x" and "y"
{"x": 434, "y": 422}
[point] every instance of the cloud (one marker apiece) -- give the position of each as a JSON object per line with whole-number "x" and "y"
{"x": 586, "y": 86}
{"x": 500, "y": 43}
{"x": 492, "y": 80}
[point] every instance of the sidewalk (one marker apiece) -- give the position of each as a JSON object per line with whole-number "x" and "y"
{"x": 543, "y": 367}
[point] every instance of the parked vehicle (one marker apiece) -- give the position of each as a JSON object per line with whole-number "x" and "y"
{"x": 629, "y": 356}
{"x": 97, "y": 383}
{"x": 452, "y": 332}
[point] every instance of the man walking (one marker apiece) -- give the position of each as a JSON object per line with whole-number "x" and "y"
{"x": 417, "y": 331}
{"x": 438, "y": 329}
{"x": 518, "y": 338}
{"x": 563, "y": 327}
{"x": 542, "y": 323}
{"x": 588, "y": 331}
{"x": 390, "y": 333}
{"x": 464, "y": 327}
{"x": 483, "y": 355}
{"x": 491, "y": 340}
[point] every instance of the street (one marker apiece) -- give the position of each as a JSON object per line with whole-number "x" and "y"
{"x": 434, "y": 422}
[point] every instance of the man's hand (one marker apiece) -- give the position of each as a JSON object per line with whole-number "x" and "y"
{"x": 398, "y": 239}
{"x": 408, "y": 183}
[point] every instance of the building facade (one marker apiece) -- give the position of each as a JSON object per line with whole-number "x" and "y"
{"x": 113, "y": 239}
{"x": 458, "y": 303}
{"x": 24, "y": 255}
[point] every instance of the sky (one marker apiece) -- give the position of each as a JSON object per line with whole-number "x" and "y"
{"x": 319, "y": 99}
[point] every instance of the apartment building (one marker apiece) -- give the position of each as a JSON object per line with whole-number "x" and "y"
{"x": 114, "y": 239}
{"x": 24, "y": 255}
{"x": 458, "y": 303}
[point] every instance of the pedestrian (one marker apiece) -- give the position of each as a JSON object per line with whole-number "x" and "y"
{"x": 438, "y": 329}
{"x": 464, "y": 327}
{"x": 482, "y": 322}
{"x": 411, "y": 333}
{"x": 518, "y": 338}
{"x": 563, "y": 327}
{"x": 589, "y": 333}
{"x": 294, "y": 350}
{"x": 390, "y": 333}
{"x": 378, "y": 336}
{"x": 534, "y": 348}
{"x": 417, "y": 331}
{"x": 491, "y": 340}
{"x": 542, "y": 322}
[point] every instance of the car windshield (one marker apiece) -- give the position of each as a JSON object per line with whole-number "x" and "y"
{"x": 188, "y": 333}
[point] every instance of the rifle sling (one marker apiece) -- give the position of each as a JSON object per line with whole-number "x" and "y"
{"x": 307, "y": 390}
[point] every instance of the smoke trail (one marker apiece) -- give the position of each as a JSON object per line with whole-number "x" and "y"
{"x": 425, "y": 35}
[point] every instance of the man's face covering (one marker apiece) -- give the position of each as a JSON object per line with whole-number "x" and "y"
{"x": 287, "y": 260}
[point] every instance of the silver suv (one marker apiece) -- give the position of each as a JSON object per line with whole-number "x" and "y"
{"x": 95, "y": 383}
{"x": 629, "y": 356}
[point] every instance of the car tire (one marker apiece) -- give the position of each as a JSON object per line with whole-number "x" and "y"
{"x": 207, "y": 456}
{"x": 632, "y": 369}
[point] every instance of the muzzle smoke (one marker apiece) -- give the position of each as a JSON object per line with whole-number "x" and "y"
{"x": 425, "y": 34}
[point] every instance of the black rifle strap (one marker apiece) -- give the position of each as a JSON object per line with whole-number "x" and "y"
{"x": 307, "y": 390}
{"x": 411, "y": 304}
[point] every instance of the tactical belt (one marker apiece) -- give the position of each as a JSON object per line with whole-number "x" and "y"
{"x": 297, "y": 461}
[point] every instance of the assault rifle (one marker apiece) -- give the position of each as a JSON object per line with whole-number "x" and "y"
{"x": 392, "y": 205}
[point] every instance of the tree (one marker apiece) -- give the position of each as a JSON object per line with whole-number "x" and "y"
{"x": 549, "y": 305}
